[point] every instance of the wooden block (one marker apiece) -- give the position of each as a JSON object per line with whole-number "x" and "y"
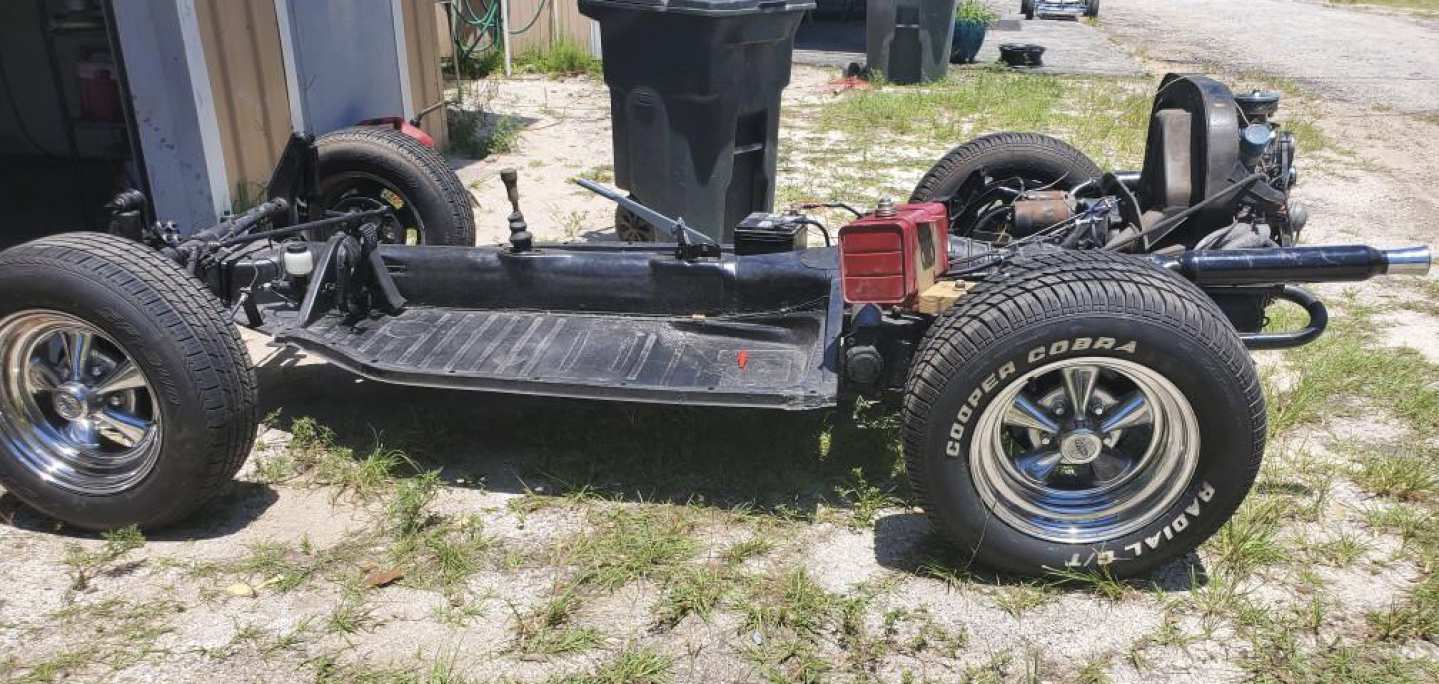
{"x": 941, "y": 295}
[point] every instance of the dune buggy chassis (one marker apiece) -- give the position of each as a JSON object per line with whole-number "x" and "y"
{"x": 1070, "y": 345}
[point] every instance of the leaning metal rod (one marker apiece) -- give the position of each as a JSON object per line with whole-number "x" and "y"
{"x": 1319, "y": 264}
{"x": 313, "y": 225}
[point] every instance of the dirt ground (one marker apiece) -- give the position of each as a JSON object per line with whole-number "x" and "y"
{"x": 566, "y": 541}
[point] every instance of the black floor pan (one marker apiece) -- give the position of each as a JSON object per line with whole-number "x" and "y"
{"x": 774, "y": 361}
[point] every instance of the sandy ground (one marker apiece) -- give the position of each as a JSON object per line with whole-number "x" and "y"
{"x": 164, "y": 613}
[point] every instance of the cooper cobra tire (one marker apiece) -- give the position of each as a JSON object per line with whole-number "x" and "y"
{"x": 387, "y": 167}
{"x": 1039, "y": 158}
{"x": 96, "y": 303}
{"x": 1148, "y": 334}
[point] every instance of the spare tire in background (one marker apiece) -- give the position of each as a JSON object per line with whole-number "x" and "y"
{"x": 961, "y": 176}
{"x": 372, "y": 167}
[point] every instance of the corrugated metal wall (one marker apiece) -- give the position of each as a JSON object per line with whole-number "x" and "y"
{"x": 247, "y": 75}
{"x": 243, "y": 55}
{"x": 422, "y": 30}
{"x": 553, "y": 20}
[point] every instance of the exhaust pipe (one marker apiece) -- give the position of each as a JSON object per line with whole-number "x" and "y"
{"x": 1327, "y": 264}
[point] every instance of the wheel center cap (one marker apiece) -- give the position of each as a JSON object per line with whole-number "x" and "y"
{"x": 1080, "y": 447}
{"x": 71, "y": 402}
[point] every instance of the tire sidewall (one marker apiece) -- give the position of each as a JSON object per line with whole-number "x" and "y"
{"x": 182, "y": 464}
{"x": 1222, "y": 477}
{"x": 344, "y": 156}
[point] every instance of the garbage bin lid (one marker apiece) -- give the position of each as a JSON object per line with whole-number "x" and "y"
{"x": 704, "y": 7}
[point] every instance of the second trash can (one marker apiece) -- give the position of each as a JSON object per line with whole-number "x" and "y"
{"x": 908, "y": 41}
{"x": 695, "y": 91}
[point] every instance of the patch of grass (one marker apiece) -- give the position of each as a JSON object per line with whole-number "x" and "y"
{"x": 351, "y": 615}
{"x": 1391, "y": 470}
{"x": 1251, "y": 538}
{"x": 1414, "y": 617}
{"x": 285, "y": 567}
{"x": 313, "y": 451}
{"x": 84, "y": 565}
{"x": 695, "y": 590}
{"x": 478, "y": 134}
{"x": 1106, "y": 117}
{"x": 562, "y": 58}
{"x": 865, "y": 500}
{"x": 604, "y": 173}
{"x": 628, "y": 544}
{"x": 1342, "y": 367}
{"x": 1018, "y": 599}
{"x": 1340, "y": 550}
{"x": 633, "y": 665}
{"x": 546, "y": 630}
{"x": 408, "y": 511}
{"x": 747, "y": 549}
{"x": 117, "y": 634}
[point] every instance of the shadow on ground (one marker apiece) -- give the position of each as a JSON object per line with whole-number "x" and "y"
{"x": 242, "y": 504}
{"x": 775, "y": 463}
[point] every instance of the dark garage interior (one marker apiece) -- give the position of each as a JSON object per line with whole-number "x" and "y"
{"x": 65, "y": 141}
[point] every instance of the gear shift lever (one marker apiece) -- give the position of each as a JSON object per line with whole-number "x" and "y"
{"x": 520, "y": 238}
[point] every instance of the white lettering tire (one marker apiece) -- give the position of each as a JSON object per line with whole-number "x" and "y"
{"x": 1082, "y": 410}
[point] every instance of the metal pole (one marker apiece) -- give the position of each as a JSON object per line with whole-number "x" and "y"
{"x": 505, "y": 32}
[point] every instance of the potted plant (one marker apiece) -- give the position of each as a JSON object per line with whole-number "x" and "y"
{"x": 971, "y": 20}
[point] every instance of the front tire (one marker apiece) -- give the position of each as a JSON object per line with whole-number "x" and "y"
{"x": 1084, "y": 410}
{"x": 126, "y": 398}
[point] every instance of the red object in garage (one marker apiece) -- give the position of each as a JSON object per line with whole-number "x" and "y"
{"x": 99, "y": 91}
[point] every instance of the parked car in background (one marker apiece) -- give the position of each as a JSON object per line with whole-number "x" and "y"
{"x": 1058, "y": 8}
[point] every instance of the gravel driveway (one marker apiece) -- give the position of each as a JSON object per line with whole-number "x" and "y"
{"x": 1356, "y": 55}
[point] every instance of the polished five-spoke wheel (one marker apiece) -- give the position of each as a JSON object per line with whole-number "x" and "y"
{"x": 75, "y": 409}
{"x": 1085, "y": 449}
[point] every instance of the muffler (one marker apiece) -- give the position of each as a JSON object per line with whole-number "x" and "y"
{"x": 1326, "y": 264}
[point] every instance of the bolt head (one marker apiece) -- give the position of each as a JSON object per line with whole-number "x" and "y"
{"x": 1059, "y": 410}
{"x": 1098, "y": 410}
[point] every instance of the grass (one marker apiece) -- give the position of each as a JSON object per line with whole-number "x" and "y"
{"x": 111, "y": 635}
{"x": 1336, "y": 375}
{"x": 562, "y": 58}
{"x": 1407, "y": 474}
{"x": 633, "y": 665}
{"x": 1106, "y": 117}
{"x": 478, "y": 134}
{"x": 83, "y": 565}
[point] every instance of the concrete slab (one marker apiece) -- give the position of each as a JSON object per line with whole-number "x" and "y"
{"x": 1071, "y": 47}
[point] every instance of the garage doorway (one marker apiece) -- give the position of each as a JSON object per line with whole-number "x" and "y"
{"x": 66, "y": 133}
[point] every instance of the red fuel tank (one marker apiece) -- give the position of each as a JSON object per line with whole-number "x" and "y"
{"x": 889, "y": 258}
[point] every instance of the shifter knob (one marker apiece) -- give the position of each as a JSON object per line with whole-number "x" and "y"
{"x": 520, "y": 238}
{"x": 511, "y": 179}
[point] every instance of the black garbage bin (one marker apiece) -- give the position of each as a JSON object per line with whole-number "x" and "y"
{"x": 909, "y": 40}
{"x": 695, "y": 94}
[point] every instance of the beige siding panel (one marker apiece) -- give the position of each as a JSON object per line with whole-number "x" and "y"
{"x": 423, "y": 44}
{"x": 241, "y": 39}
{"x": 558, "y": 20}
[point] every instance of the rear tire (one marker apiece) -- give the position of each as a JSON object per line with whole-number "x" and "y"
{"x": 371, "y": 167}
{"x": 189, "y": 392}
{"x": 1098, "y": 488}
{"x": 1038, "y": 159}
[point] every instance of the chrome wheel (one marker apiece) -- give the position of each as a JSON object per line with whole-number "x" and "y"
{"x": 75, "y": 409}
{"x": 1084, "y": 450}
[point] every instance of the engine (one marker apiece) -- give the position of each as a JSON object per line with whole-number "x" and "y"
{"x": 1217, "y": 174}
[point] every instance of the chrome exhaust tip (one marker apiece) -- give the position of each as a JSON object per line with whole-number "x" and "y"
{"x": 1408, "y": 261}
